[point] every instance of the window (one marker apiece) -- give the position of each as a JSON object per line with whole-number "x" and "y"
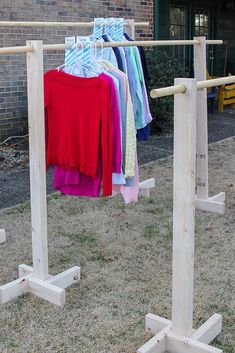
{"x": 229, "y": 4}
{"x": 178, "y": 30}
{"x": 202, "y": 18}
{"x": 178, "y": 22}
{"x": 203, "y": 26}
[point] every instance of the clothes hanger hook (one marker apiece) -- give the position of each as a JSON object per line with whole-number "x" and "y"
{"x": 100, "y": 43}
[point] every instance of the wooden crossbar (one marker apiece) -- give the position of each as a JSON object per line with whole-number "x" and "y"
{"x": 181, "y": 88}
{"x": 60, "y": 24}
{"x": 149, "y": 43}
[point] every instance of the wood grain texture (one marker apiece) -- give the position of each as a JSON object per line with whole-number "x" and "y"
{"x": 184, "y": 207}
{"x": 46, "y": 291}
{"x": 13, "y": 289}
{"x": 209, "y": 330}
{"x": 200, "y": 69}
{"x": 180, "y": 344}
{"x": 37, "y": 159}
{"x": 155, "y": 323}
{"x": 157, "y": 344}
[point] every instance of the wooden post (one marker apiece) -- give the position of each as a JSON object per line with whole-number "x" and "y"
{"x": 178, "y": 335}
{"x": 202, "y": 120}
{"x": 215, "y": 203}
{"x": 36, "y": 280}
{"x": 184, "y": 207}
{"x": 130, "y": 29}
{"x": 37, "y": 159}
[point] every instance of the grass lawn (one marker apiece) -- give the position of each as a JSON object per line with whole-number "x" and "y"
{"x": 125, "y": 254}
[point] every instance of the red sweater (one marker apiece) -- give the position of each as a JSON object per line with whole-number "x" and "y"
{"x": 79, "y": 124}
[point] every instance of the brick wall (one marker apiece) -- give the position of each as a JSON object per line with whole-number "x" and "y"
{"x": 13, "y": 100}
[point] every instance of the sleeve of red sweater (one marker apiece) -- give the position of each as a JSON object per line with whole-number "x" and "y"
{"x": 46, "y": 103}
{"x": 106, "y": 142}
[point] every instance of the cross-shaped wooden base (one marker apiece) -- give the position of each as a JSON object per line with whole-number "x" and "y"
{"x": 51, "y": 289}
{"x": 165, "y": 340}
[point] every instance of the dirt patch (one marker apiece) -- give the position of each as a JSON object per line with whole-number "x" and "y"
{"x": 125, "y": 255}
{"x": 14, "y": 154}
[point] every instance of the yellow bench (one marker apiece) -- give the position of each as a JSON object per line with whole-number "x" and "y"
{"x": 226, "y": 96}
{"x": 211, "y": 95}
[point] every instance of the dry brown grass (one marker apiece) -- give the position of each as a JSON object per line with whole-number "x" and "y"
{"x": 125, "y": 257}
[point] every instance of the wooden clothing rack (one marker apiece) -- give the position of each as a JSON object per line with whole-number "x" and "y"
{"x": 36, "y": 279}
{"x": 176, "y": 336}
{"x": 215, "y": 203}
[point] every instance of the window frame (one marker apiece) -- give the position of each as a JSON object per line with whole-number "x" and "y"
{"x": 202, "y": 10}
{"x": 181, "y": 52}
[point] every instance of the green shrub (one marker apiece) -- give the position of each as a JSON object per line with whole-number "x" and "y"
{"x": 162, "y": 68}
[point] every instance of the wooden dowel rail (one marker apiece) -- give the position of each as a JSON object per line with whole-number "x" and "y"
{"x": 52, "y": 47}
{"x": 168, "y": 91}
{"x": 150, "y": 43}
{"x": 216, "y": 82}
{"x": 16, "y": 50}
{"x": 171, "y": 90}
{"x": 143, "y": 43}
{"x": 91, "y": 24}
{"x": 60, "y": 24}
{"x": 214, "y": 41}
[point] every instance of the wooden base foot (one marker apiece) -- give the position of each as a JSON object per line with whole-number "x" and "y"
{"x": 146, "y": 186}
{"x": 25, "y": 270}
{"x": 2, "y": 236}
{"x": 51, "y": 289}
{"x": 215, "y": 204}
{"x": 209, "y": 330}
{"x": 13, "y": 289}
{"x": 181, "y": 344}
{"x": 165, "y": 340}
{"x": 46, "y": 291}
{"x": 155, "y": 324}
{"x": 157, "y": 344}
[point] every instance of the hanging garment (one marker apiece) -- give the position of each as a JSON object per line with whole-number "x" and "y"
{"x": 118, "y": 178}
{"x": 119, "y": 53}
{"x": 109, "y": 55}
{"x": 143, "y": 59}
{"x": 147, "y": 117}
{"x": 75, "y": 183}
{"x": 130, "y": 146}
{"x": 143, "y": 134}
{"x": 74, "y": 177}
{"x": 135, "y": 88}
{"x": 116, "y": 52}
{"x": 71, "y": 182}
{"x": 69, "y": 113}
{"x": 130, "y": 193}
